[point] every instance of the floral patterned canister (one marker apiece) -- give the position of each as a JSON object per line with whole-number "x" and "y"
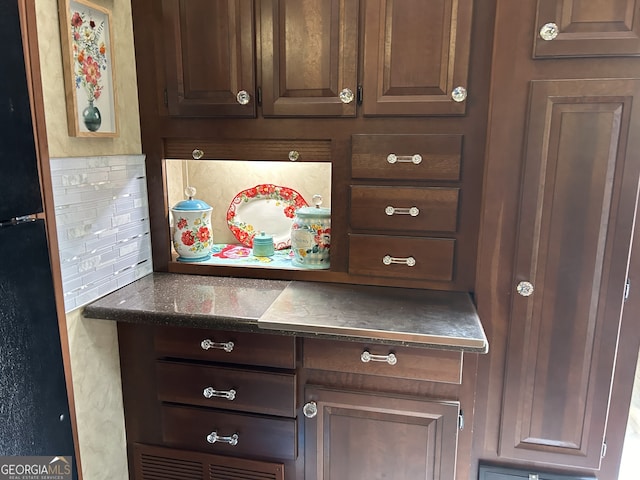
{"x": 192, "y": 237}
{"x": 311, "y": 236}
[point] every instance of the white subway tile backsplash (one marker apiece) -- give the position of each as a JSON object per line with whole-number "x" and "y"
{"x": 102, "y": 218}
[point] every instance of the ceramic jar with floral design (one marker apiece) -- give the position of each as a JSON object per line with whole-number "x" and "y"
{"x": 192, "y": 236}
{"x": 311, "y": 236}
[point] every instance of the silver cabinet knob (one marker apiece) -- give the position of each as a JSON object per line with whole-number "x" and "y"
{"x": 459, "y": 94}
{"x": 549, "y": 31}
{"x": 525, "y": 289}
{"x": 346, "y": 96}
{"x": 310, "y": 409}
{"x": 243, "y": 97}
{"x": 197, "y": 154}
{"x": 294, "y": 155}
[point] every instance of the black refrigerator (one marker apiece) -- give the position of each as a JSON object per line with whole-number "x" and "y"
{"x": 34, "y": 408}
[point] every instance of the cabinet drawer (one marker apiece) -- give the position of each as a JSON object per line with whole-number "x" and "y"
{"x": 257, "y": 436}
{"x": 404, "y": 208}
{"x": 433, "y": 257}
{"x": 243, "y": 348}
{"x": 440, "y": 157}
{"x": 413, "y": 363}
{"x": 231, "y": 388}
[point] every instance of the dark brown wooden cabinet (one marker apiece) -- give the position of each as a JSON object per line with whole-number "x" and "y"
{"x": 361, "y": 436}
{"x": 560, "y": 200}
{"x": 406, "y": 228}
{"x": 359, "y": 431}
{"x": 574, "y": 239}
{"x": 416, "y": 54}
{"x": 305, "y": 59}
{"x": 309, "y": 57}
{"x": 193, "y": 404}
{"x": 209, "y": 56}
{"x": 573, "y": 28}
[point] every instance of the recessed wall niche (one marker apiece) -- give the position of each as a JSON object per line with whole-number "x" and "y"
{"x": 217, "y": 183}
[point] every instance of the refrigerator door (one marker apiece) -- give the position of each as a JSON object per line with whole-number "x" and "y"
{"x": 19, "y": 181}
{"x": 34, "y": 411}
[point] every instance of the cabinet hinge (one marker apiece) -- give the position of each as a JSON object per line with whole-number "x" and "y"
{"x": 166, "y": 98}
{"x": 359, "y": 95}
{"x": 259, "y": 96}
{"x": 461, "y": 420}
{"x": 627, "y": 288}
{"x": 604, "y": 449}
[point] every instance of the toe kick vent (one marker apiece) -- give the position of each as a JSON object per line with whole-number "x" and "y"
{"x": 161, "y": 463}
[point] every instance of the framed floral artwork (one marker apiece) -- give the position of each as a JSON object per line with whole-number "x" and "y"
{"x": 87, "y": 54}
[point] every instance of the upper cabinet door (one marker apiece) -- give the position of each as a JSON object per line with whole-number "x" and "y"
{"x": 579, "y": 28}
{"x": 416, "y": 56}
{"x": 309, "y": 57}
{"x": 210, "y": 60}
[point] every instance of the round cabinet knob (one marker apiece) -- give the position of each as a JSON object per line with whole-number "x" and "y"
{"x": 346, "y": 95}
{"x": 525, "y": 289}
{"x": 294, "y": 155}
{"x": 243, "y": 97}
{"x": 197, "y": 154}
{"x": 310, "y": 409}
{"x": 459, "y": 94}
{"x": 549, "y": 31}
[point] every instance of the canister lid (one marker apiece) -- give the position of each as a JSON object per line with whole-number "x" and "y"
{"x": 191, "y": 204}
{"x": 314, "y": 212}
{"x": 263, "y": 239}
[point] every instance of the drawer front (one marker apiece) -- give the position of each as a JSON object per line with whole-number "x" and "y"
{"x": 404, "y": 208}
{"x": 440, "y": 157}
{"x": 433, "y": 257}
{"x": 413, "y": 363}
{"x": 241, "y": 347}
{"x": 190, "y": 428}
{"x": 230, "y": 388}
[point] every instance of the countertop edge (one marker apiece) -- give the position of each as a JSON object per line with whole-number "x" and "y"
{"x": 109, "y": 309}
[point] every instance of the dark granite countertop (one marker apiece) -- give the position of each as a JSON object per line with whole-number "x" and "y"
{"x": 424, "y": 318}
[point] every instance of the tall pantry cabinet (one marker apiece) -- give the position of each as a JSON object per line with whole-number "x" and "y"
{"x": 560, "y": 196}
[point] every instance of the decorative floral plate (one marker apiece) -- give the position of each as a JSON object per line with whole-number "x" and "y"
{"x": 264, "y": 208}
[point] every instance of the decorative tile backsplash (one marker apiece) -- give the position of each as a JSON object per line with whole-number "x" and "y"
{"x": 102, "y": 219}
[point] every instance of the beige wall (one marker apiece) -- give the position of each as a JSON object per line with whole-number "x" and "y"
{"x": 93, "y": 343}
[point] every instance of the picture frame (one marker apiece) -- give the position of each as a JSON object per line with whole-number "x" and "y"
{"x": 89, "y": 73}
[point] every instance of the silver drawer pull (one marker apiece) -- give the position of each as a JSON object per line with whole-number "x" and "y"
{"x": 206, "y": 344}
{"x": 213, "y": 437}
{"x": 408, "y": 261}
{"x": 209, "y": 392}
{"x": 415, "y": 159}
{"x": 367, "y": 357}
{"x": 413, "y": 211}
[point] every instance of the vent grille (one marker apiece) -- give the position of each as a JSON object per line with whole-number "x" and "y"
{"x": 162, "y": 468}
{"x": 221, "y": 472}
{"x": 162, "y": 463}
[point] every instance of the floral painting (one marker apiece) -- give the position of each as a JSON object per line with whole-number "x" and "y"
{"x": 89, "y": 76}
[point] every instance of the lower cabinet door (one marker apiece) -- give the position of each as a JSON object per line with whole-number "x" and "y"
{"x": 360, "y": 436}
